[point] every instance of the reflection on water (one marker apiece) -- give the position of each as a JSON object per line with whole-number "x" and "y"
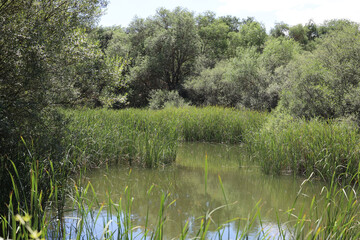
{"x": 243, "y": 184}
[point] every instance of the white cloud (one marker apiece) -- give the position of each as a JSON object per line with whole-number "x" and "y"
{"x": 294, "y": 11}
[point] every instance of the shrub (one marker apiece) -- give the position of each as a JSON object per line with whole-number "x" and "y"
{"x": 162, "y": 98}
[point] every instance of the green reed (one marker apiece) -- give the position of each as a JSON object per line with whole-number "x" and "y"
{"x": 133, "y": 136}
{"x": 308, "y": 146}
{"x": 150, "y": 137}
{"x": 216, "y": 124}
{"x": 335, "y": 214}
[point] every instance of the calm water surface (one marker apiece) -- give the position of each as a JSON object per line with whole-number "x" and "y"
{"x": 243, "y": 183}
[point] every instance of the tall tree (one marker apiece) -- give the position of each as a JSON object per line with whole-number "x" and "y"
{"x": 326, "y": 82}
{"x": 32, "y": 37}
{"x": 280, "y": 29}
{"x": 170, "y": 53}
{"x": 251, "y": 34}
{"x": 214, "y": 41}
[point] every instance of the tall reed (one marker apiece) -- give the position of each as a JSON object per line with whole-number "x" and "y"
{"x": 335, "y": 214}
{"x": 133, "y": 136}
{"x": 150, "y": 137}
{"x": 308, "y": 146}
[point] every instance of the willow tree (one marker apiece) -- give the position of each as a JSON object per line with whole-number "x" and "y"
{"x": 171, "y": 48}
{"x": 33, "y": 35}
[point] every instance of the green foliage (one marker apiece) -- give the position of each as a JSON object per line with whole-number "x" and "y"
{"x": 326, "y": 82}
{"x": 211, "y": 88}
{"x": 251, "y": 34}
{"x": 34, "y": 35}
{"x": 250, "y": 79}
{"x": 299, "y": 33}
{"x": 169, "y": 57}
{"x": 280, "y": 29}
{"x": 214, "y": 41}
{"x": 119, "y": 45}
{"x": 160, "y": 99}
{"x": 232, "y": 22}
{"x": 247, "y": 75}
{"x": 278, "y": 52}
{"x": 336, "y": 25}
{"x": 90, "y": 76}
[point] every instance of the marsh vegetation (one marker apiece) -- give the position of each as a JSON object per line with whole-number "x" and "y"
{"x": 78, "y": 100}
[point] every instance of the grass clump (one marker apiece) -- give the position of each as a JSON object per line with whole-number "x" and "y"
{"x": 334, "y": 214}
{"x": 304, "y": 147}
{"x": 133, "y": 136}
{"x": 217, "y": 124}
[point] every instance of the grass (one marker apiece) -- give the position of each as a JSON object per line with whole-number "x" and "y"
{"x": 304, "y": 147}
{"x": 149, "y": 137}
{"x": 216, "y": 124}
{"x": 131, "y": 136}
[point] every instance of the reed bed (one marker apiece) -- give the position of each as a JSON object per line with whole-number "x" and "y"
{"x": 304, "y": 147}
{"x": 216, "y": 124}
{"x": 150, "y": 137}
{"x": 131, "y": 136}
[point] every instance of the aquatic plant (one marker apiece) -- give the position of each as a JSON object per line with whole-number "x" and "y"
{"x": 150, "y": 137}
{"x": 325, "y": 148}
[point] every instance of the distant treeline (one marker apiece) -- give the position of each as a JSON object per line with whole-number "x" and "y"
{"x": 309, "y": 70}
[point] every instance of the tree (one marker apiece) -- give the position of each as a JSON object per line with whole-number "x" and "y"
{"x": 280, "y": 29}
{"x": 119, "y": 45}
{"x": 247, "y": 76}
{"x": 212, "y": 88}
{"x": 251, "y": 34}
{"x": 279, "y": 52}
{"x": 232, "y": 22}
{"x": 326, "y": 83}
{"x": 335, "y": 25}
{"x": 205, "y": 19}
{"x": 214, "y": 41}
{"x": 170, "y": 54}
{"x": 32, "y": 37}
{"x": 299, "y": 33}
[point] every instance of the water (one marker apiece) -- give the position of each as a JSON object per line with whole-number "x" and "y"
{"x": 244, "y": 186}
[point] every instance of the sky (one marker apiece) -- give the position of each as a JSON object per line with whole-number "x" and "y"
{"x": 268, "y": 12}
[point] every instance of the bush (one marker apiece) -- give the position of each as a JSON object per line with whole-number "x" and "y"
{"x": 211, "y": 88}
{"x": 162, "y": 98}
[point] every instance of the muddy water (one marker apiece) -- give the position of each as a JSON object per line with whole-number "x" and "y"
{"x": 243, "y": 191}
